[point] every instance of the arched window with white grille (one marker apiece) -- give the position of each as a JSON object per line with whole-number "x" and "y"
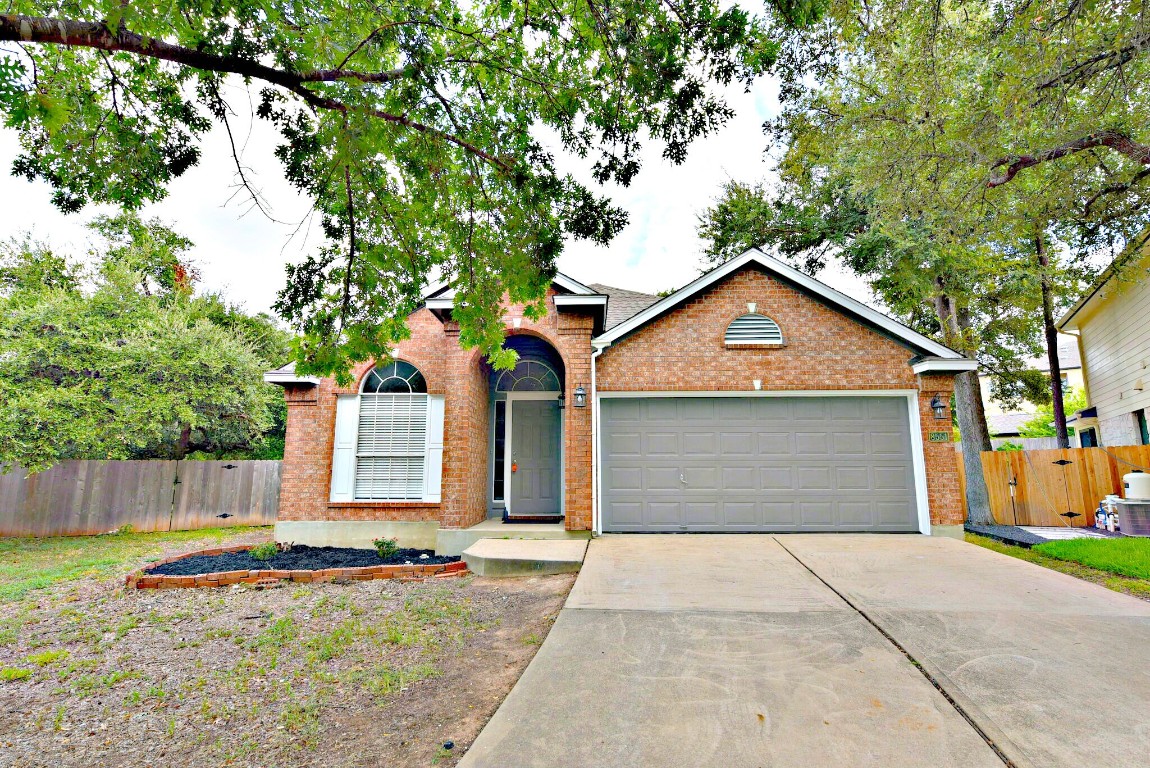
{"x": 389, "y": 438}
{"x": 753, "y": 330}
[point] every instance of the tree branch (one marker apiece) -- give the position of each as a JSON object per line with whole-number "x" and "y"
{"x": 1097, "y": 64}
{"x": 96, "y": 35}
{"x": 1119, "y": 142}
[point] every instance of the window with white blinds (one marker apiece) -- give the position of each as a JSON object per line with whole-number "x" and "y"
{"x": 391, "y": 447}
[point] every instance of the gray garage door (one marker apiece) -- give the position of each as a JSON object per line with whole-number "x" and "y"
{"x": 757, "y": 464}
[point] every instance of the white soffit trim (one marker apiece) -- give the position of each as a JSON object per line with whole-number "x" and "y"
{"x": 568, "y": 300}
{"x": 439, "y": 303}
{"x": 288, "y": 377}
{"x": 944, "y": 365}
{"x": 808, "y": 283}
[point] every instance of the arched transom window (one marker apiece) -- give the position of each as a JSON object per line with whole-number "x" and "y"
{"x": 391, "y": 445}
{"x": 528, "y": 376}
{"x": 753, "y": 329}
{"x": 397, "y": 376}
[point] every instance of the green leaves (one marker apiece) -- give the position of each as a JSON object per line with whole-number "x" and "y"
{"x": 131, "y": 367}
{"x": 414, "y": 126}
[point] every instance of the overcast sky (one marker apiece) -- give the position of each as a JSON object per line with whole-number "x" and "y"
{"x": 241, "y": 253}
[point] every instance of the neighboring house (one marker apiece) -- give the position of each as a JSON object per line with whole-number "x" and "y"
{"x": 1006, "y": 424}
{"x": 754, "y": 399}
{"x": 1112, "y": 322}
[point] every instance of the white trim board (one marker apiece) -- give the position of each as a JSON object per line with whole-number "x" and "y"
{"x": 808, "y": 283}
{"x": 917, "y": 450}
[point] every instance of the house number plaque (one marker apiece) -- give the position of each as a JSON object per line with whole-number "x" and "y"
{"x": 940, "y": 437}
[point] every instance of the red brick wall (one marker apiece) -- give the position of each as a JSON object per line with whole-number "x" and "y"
{"x": 823, "y": 350}
{"x": 462, "y": 377}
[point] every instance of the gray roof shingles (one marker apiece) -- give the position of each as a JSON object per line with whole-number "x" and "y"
{"x": 622, "y": 303}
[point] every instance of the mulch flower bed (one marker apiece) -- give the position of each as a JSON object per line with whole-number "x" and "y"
{"x": 225, "y": 566}
{"x": 299, "y": 558}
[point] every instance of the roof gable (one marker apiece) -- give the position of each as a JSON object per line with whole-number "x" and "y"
{"x": 835, "y": 299}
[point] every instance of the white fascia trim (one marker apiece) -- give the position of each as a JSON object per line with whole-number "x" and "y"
{"x": 572, "y": 285}
{"x": 276, "y": 377}
{"x": 807, "y": 282}
{"x": 936, "y": 365}
{"x": 439, "y": 303}
{"x": 569, "y": 300}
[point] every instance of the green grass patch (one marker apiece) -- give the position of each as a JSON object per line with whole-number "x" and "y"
{"x": 1127, "y": 584}
{"x": 27, "y": 565}
{"x": 12, "y": 674}
{"x": 1125, "y": 557}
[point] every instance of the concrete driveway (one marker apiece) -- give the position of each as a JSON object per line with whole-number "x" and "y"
{"x": 831, "y": 650}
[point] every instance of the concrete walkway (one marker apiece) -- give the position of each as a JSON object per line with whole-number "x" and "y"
{"x": 718, "y": 651}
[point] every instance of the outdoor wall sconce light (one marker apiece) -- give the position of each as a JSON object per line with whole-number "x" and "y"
{"x": 562, "y": 401}
{"x": 938, "y": 406}
{"x": 580, "y": 397}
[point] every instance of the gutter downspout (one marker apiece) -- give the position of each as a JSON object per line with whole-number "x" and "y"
{"x": 596, "y": 519}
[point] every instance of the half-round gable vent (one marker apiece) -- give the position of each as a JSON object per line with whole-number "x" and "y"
{"x": 753, "y": 329}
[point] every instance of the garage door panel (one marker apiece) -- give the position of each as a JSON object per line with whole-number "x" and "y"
{"x": 625, "y": 444}
{"x": 737, "y": 444}
{"x": 701, "y": 444}
{"x": 852, "y": 478}
{"x": 664, "y": 513}
{"x": 850, "y": 443}
{"x": 701, "y": 479}
{"x": 757, "y": 464}
{"x": 625, "y": 478}
{"x": 663, "y": 444}
{"x": 776, "y": 478}
{"x": 812, "y": 444}
{"x": 813, "y": 479}
{"x": 662, "y": 479}
{"x": 889, "y": 443}
{"x": 741, "y": 514}
{"x": 776, "y": 443}
{"x": 817, "y": 513}
{"x": 740, "y": 479}
{"x": 703, "y": 514}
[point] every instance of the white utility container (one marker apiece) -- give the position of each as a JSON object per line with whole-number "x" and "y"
{"x": 1136, "y": 485}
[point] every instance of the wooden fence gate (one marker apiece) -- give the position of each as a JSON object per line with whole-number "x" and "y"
{"x": 1038, "y": 487}
{"x": 77, "y": 498}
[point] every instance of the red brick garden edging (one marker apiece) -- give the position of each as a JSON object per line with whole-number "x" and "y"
{"x": 144, "y": 579}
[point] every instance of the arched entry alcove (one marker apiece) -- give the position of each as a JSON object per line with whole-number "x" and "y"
{"x": 526, "y": 456}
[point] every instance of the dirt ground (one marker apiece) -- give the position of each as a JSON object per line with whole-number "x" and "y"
{"x": 340, "y": 674}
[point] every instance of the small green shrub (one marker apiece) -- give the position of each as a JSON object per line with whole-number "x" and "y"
{"x": 386, "y": 547}
{"x": 265, "y": 551}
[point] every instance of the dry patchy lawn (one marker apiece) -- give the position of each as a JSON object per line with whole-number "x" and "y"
{"x": 339, "y": 674}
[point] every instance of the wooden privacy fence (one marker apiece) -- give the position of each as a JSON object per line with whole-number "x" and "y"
{"x": 1043, "y": 488}
{"x": 77, "y": 498}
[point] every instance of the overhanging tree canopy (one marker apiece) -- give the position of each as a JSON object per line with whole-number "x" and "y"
{"x": 414, "y": 126}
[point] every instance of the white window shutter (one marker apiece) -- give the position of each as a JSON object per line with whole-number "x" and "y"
{"x": 343, "y": 456}
{"x": 433, "y": 480}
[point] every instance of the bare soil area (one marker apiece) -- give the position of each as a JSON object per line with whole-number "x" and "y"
{"x": 337, "y": 674}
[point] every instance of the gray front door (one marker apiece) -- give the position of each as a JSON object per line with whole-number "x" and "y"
{"x": 535, "y": 457}
{"x": 757, "y": 464}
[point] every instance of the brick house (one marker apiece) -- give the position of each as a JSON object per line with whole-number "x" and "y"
{"x": 753, "y": 399}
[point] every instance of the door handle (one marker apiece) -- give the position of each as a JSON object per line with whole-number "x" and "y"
{"x": 682, "y": 479}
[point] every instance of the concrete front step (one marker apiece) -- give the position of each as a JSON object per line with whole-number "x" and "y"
{"x": 452, "y": 541}
{"x": 524, "y": 557}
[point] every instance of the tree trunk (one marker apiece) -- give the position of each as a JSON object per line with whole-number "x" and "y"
{"x": 1051, "y": 332}
{"x": 184, "y": 441}
{"x": 974, "y": 435}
